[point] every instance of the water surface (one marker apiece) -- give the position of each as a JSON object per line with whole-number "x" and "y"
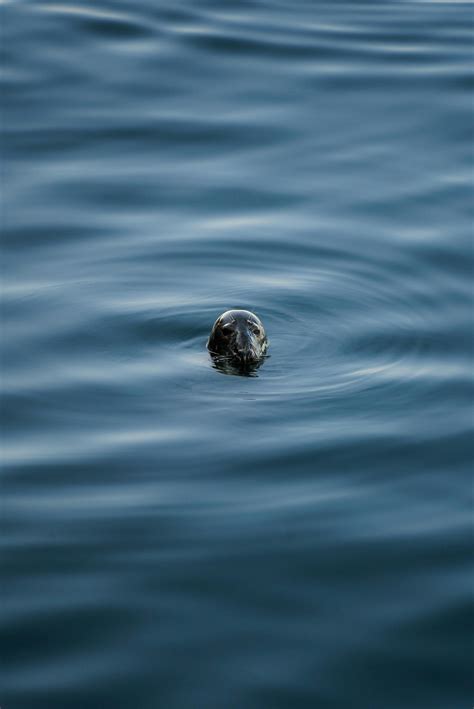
{"x": 175, "y": 537}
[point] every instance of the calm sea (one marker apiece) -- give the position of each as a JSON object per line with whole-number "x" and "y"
{"x": 177, "y": 538}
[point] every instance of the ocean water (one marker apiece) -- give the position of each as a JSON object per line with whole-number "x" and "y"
{"x": 177, "y": 538}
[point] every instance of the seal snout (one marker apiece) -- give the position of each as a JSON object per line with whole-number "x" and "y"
{"x": 245, "y": 349}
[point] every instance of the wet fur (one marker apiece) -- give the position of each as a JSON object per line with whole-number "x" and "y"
{"x": 239, "y": 336}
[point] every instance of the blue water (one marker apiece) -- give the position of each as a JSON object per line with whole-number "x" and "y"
{"x": 177, "y": 538}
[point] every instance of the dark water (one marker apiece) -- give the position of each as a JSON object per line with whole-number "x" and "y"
{"x": 176, "y": 538}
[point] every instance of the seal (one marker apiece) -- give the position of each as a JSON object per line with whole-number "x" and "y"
{"x": 238, "y": 336}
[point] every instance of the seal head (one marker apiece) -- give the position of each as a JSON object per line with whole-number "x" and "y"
{"x": 239, "y": 337}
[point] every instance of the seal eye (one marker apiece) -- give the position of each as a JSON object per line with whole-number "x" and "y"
{"x": 256, "y": 331}
{"x": 227, "y": 331}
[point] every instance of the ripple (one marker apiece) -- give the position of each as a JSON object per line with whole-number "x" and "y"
{"x": 311, "y": 331}
{"x": 99, "y": 21}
